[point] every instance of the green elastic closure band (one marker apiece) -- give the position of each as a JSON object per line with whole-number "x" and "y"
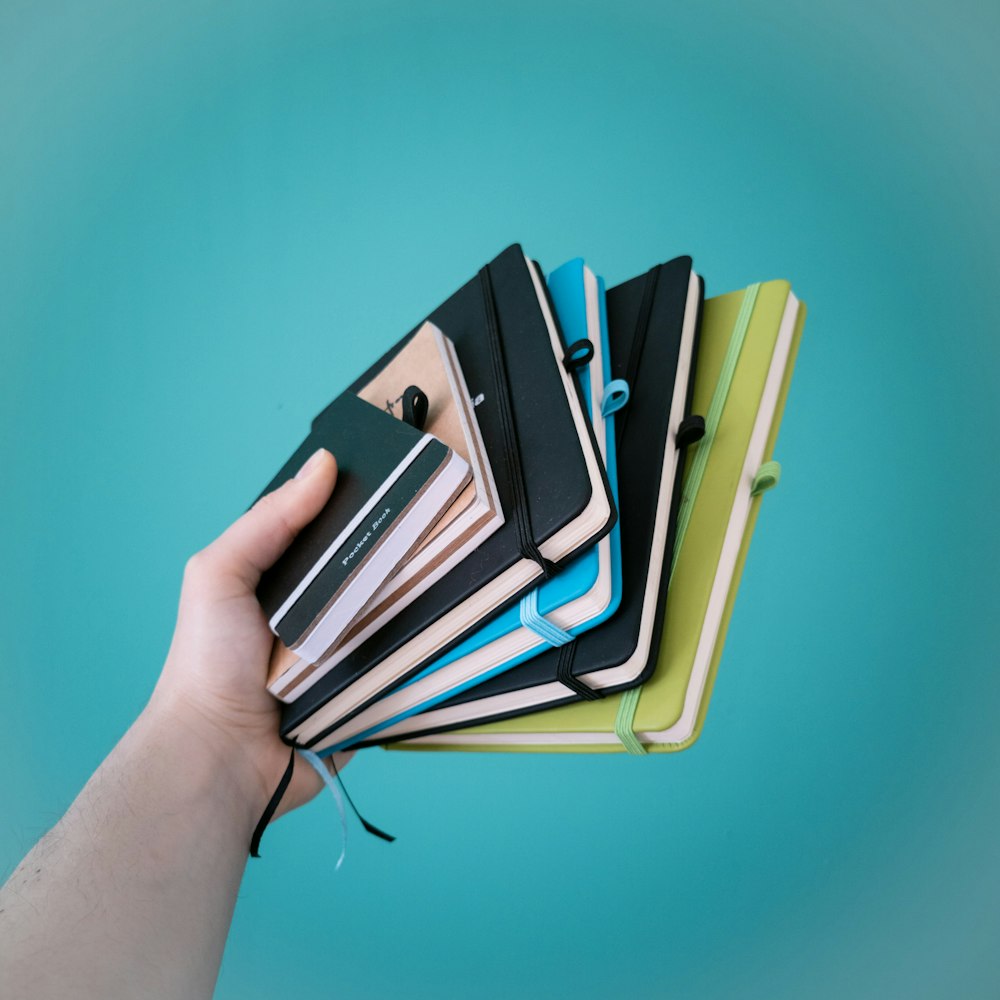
{"x": 624, "y": 719}
{"x": 627, "y": 707}
{"x": 768, "y": 475}
{"x": 714, "y": 416}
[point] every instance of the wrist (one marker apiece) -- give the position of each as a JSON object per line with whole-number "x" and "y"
{"x": 211, "y": 759}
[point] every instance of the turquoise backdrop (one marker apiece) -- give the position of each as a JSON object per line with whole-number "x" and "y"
{"x": 212, "y": 215}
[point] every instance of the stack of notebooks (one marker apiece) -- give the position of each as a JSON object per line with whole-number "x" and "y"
{"x": 545, "y": 496}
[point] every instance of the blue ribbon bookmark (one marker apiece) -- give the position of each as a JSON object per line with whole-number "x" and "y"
{"x": 323, "y": 771}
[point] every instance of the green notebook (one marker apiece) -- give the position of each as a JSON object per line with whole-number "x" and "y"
{"x": 748, "y": 344}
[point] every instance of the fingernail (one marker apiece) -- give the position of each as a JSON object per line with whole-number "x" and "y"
{"x": 311, "y": 464}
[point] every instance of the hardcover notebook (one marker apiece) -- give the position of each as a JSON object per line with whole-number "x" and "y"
{"x": 652, "y": 321}
{"x": 583, "y": 595}
{"x": 429, "y": 359}
{"x": 553, "y": 488}
{"x": 749, "y": 342}
{"x": 393, "y": 483}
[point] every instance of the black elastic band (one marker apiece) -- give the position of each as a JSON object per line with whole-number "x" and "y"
{"x": 565, "y": 676}
{"x": 269, "y": 809}
{"x": 415, "y": 405}
{"x": 522, "y": 519}
{"x": 690, "y": 431}
{"x": 579, "y": 354}
{"x": 638, "y": 342}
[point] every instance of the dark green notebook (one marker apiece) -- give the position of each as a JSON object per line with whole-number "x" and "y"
{"x": 393, "y": 483}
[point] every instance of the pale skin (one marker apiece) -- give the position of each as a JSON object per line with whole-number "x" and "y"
{"x": 131, "y": 894}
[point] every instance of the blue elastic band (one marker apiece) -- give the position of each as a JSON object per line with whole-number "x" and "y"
{"x": 530, "y": 618}
{"x": 615, "y": 397}
{"x": 328, "y": 779}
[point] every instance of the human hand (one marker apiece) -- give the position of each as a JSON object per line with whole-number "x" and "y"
{"x": 146, "y": 863}
{"x": 213, "y": 682}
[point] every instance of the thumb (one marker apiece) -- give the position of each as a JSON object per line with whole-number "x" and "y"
{"x": 254, "y": 542}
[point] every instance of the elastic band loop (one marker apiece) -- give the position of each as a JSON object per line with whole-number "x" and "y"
{"x": 269, "y": 809}
{"x": 690, "y": 431}
{"x": 565, "y": 676}
{"x": 539, "y": 624}
{"x": 321, "y": 769}
{"x": 625, "y": 718}
{"x": 415, "y": 405}
{"x": 578, "y": 355}
{"x": 768, "y": 475}
{"x": 522, "y": 520}
{"x": 615, "y": 397}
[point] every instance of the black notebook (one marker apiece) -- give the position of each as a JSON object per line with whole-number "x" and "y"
{"x": 553, "y": 487}
{"x": 653, "y": 323}
{"x": 393, "y": 484}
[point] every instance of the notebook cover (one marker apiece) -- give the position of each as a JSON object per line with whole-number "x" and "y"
{"x": 659, "y": 706}
{"x": 642, "y": 431}
{"x": 661, "y": 698}
{"x": 370, "y": 446}
{"x": 429, "y": 360}
{"x": 552, "y": 454}
{"x": 424, "y": 365}
{"x": 567, "y": 288}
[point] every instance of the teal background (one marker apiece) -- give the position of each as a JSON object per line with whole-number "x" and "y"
{"x": 211, "y": 216}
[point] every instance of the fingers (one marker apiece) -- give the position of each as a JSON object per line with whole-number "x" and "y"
{"x": 254, "y": 542}
{"x": 341, "y": 759}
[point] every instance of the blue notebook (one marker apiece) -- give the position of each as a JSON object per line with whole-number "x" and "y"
{"x": 583, "y": 595}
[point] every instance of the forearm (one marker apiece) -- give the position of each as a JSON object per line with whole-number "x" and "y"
{"x": 132, "y": 893}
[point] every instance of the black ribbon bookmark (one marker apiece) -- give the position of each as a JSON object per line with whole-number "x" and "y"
{"x": 279, "y": 793}
{"x": 265, "y": 818}
{"x": 370, "y": 827}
